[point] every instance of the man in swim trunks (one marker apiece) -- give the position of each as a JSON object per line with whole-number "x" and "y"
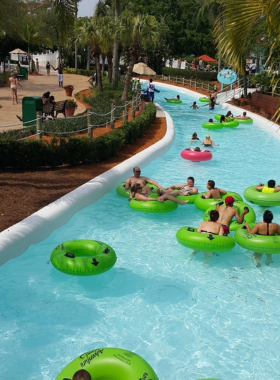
{"x": 227, "y": 212}
{"x": 269, "y": 189}
{"x": 213, "y": 192}
{"x": 183, "y": 188}
{"x": 138, "y": 179}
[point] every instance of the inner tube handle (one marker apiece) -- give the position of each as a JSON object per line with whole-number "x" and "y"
{"x": 70, "y": 255}
{"x": 106, "y": 250}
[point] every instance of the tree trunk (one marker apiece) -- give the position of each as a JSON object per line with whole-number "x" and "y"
{"x": 110, "y": 66}
{"x": 88, "y": 56}
{"x": 103, "y": 64}
{"x": 76, "y": 56}
{"x": 98, "y": 72}
{"x": 128, "y": 78}
{"x": 245, "y": 85}
{"x": 219, "y": 64}
{"x": 28, "y": 52}
{"x": 115, "y": 79}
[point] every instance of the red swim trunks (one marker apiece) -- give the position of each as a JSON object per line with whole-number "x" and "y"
{"x": 226, "y": 230}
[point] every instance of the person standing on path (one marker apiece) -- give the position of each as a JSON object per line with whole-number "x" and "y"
{"x": 13, "y": 85}
{"x": 37, "y": 66}
{"x": 48, "y": 68}
{"x": 59, "y": 70}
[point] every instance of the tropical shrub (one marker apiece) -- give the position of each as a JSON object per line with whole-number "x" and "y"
{"x": 190, "y": 74}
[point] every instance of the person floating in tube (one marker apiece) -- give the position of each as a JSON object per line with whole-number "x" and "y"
{"x": 150, "y": 90}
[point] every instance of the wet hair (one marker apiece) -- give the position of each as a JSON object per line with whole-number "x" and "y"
{"x": 207, "y": 136}
{"x": 228, "y": 114}
{"x": 51, "y": 98}
{"x": 81, "y": 374}
{"x": 210, "y": 121}
{"x": 194, "y": 134}
{"x": 271, "y": 183}
{"x": 222, "y": 118}
{"x": 151, "y": 80}
{"x": 136, "y": 187}
{"x": 178, "y": 97}
{"x": 197, "y": 149}
{"x": 244, "y": 113}
{"x": 211, "y": 183}
{"x": 194, "y": 102}
{"x": 214, "y": 215}
{"x": 267, "y": 216}
{"x": 46, "y": 94}
{"x": 191, "y": 178}
{"x": 136, "y": 167}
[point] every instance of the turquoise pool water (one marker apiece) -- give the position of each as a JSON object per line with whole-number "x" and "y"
{"x": 187, "y": 320}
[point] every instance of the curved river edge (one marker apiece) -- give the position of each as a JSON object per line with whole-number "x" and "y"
{"x": 15, "y": 240}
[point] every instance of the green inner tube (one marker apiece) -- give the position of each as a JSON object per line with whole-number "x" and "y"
{"x": 218, "y": 117}
{"x": 262, "y": 199}
{"x": 189, "y": 198}
{"x": 173, "y": 101}
{"x": 83, "y": 257}
{"x": 244, "y": 121}
{"x": 109, "y": 364}
{"x": 125, "y": 193}
{"x": 204, "y": 204}
{"x": 153, "y": 206}
{"x": 212, "y": 125}
{"x": 189, "y": 237}
{"x": 204, "y": 100}
{"x": 250, "y": 217}
{"x": 230, "y": 124}
{"x": 257, "y": 243}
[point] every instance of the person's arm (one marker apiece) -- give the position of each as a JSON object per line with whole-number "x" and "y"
{"x": 208, "y": 195}
{"x": 152, "y": 182}
{"x": 212, "y": 142}
{"x": 276, "y": 189}
{"x": 17, "y": 82}
{"x": 221, "y": 231}
{"x": 199, "y": 228}
{"x": 202, "y": 143}
{"x": 217, "y": 206}
{"x": 127, "y": 184}
{"x": 193, "y": 191}
{"x": 278, "y": 229}
{"x": 259, "y": 187}
{"x": 254, "y": 230}
{"x": 222, "y": 191}
{"x": 240, "y": 218}
{"x": 156, "y": 90}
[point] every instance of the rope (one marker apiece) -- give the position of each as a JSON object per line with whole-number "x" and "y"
{"x": 28, "y": 137}
{"x": 13, "y": 125}
{"x": 63, "y": 133}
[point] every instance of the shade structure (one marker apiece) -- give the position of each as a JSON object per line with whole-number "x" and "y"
{"x": 207, "y": 58}
{"x": 142, "y": 69}
{"x": 17, "y": 51}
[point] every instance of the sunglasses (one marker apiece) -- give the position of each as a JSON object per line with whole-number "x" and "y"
{"x": 137, "y": 171}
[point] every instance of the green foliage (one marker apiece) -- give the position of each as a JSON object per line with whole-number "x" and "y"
{"x": 70, "y": 103}
{"x": 87, "y": 73}
{"x": 265, "y": 80}
{"x": 33, "y": 154}
{"x": 190, "y": 74}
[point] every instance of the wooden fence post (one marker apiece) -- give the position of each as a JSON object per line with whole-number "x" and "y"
{"x": 112, "y": 122}
{"x": 195, "y": 84}
{"x": 39, "y": 125}
{"x": 169, "y": 78}
{"x": 125, "y": 111}
{"x": 183, "y": 81}
{"x": 89, "y": 122}
{"x": 133, "y": 107}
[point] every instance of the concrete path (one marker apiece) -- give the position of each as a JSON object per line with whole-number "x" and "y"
{"x": 36, "y": 85}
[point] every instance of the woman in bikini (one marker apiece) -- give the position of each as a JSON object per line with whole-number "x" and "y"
{"x": 13, "y": 85}
{"x": 266, "y": 228}
{"x": 142, "y": 196}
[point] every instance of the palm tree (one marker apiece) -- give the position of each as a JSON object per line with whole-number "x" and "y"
{"x": 85, "y": 28}
{"x": 136, "y": 32}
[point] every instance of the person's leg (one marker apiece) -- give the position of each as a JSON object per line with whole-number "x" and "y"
{"x": 173, "y": 199}
{"x": 257, "y": 258}
{"x": 13, "y": 96}
{"x": 15, "y": 91}
{"x": 268, "y": 259}
{"x": 194, "y": 253}
{"x": 61, "y": 80}
{"x": 207, "y": 257}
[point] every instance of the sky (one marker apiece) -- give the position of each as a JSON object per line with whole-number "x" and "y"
{"x": 87, "y": 7}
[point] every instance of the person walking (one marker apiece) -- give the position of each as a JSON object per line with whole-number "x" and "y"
{"x": 13, "y": 86}
{"x": 59, "y": 70}
{"x": 48, "y": 68}
{"x": 37, "y": 66}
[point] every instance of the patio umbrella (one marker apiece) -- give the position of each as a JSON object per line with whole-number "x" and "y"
{"x": 142, "y": 69}
{"x": 17, "y": 51}
{"x": 207, "y": 58}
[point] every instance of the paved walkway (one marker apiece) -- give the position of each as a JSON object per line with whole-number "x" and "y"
{"x": 36, "y": 85}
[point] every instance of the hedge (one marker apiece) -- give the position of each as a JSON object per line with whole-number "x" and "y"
{"x": 29, "y": 155}
{"x": 87, "y": 73}
{"x": 190, "y": 74}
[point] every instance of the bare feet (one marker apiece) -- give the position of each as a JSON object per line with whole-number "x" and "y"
{"x": 183, "y": 202}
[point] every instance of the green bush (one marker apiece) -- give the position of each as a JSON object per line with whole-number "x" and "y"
{"x": 190, "y": 74}
{"x": 27, "y": 155}
{"x": 87, "y": 73}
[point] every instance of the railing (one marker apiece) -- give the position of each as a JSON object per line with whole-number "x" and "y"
{"x": 110, "y": 118}
{"x": 187, "y": 82}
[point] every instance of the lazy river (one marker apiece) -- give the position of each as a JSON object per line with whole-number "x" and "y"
{"x": 189, "y": 321}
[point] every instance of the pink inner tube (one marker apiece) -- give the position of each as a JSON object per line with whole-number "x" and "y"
{"x": 188, "y": 154}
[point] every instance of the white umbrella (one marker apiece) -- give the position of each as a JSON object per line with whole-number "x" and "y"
{"x": 143, "y": 69}
{"x": 17, "y": 51}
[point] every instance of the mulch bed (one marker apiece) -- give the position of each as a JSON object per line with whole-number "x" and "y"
{"x": 25, "y": 192}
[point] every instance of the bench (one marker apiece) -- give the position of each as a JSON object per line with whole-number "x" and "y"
{"x": 59, "y": 107}
{"x": 48, "y": 109}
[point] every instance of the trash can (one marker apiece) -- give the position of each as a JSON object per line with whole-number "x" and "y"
{"x": 30, "y": 105}
{"x": 23, "y": 71}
